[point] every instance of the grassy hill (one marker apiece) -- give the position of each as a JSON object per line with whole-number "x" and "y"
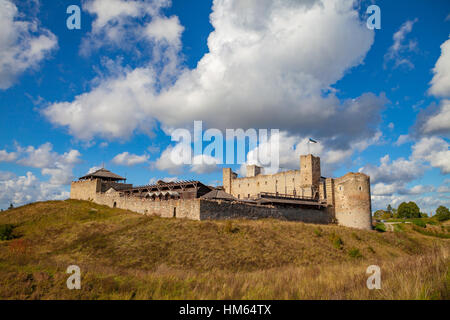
{"x": 124, "y": 255}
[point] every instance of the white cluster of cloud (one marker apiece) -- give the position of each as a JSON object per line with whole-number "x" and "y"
{"x": 399, "y": 47}
{"x": 127, "y": 159}
{"x": 23, "y": 43}
{"x": 270, "y": 64}
{"x": 390, "y": 179}
{"x": 20, "y": 190}
{"x": 7, "y": 156}
{"x": 179, "y": 158}
{"x": 399, "y": 171}
{"x": 23, "y": 189}
{"x": 440, "y": 84}
{"x": 435, "y": 151}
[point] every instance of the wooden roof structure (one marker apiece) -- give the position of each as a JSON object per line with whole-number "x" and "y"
{"x": 103, "y": 174}
{"x": 180, "y": 186}
{"x": 219, "y": 195}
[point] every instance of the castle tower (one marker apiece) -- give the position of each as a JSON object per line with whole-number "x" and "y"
{"x": 309, "y": 175}
{"x": 253, "y": 170}
{"x": 227, "y": 177}
{"x": 353, "y": 206}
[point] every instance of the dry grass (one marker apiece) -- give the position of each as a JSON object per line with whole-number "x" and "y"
{"x": 123, "y": 255}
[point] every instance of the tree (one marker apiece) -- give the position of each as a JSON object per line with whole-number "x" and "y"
{"x": 423, "y": 215}
{"x": 389, "y": 208}
{"x": 442, "y": 213}
{"x": 394, "y": 213}
{"x": 408, "y": 210}
{"x": 11, "y": 206}
{"x": 378, "y": 214}
{"x": 386, "y": 215}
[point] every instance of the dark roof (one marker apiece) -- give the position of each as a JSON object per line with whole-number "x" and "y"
{"x": 161, "y": 185}
{"x": 102, "y": 174}
{"x": 218, "y": 194}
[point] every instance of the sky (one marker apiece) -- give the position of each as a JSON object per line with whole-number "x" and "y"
{"x": 113, "y": 92}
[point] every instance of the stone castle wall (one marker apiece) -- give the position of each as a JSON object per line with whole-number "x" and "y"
{"x": 248, "y": 187}
{"x": 85, "y": 190}
{"x": 352, "y": 203}
{"x": 194, "y": 209}
{"x": 185, "y": 208}
{"x": 303, "y": 183}
{"x": 216, "y": 209}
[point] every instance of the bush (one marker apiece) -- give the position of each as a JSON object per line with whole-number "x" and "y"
{"x": 318, "y": 232}
{"x": 442, "y": 213}
{"x": 371, "y": 249}
{"x": 380, "y": 227}
{"x": 6, "y": 232}
{"x": 354, "y": 253}
{"x": 337, "y": 241}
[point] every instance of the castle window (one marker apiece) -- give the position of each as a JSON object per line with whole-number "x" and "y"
{"x": 266, "y": 183}
{"x": 340, "y": 188}
{"x": 360, "y": 188}
{"x": 258, "y": 184}
{"x": 248, "y": 184}
{"x": 239, "y": 196}
{"x": 248, "y": 195}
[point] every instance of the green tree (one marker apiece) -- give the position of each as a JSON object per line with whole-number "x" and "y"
{"x": 394, "y": 213}
{"x": 378, "y": 214}
{"x": 442, "y": 213}
{"x": 389, "y": 208}
{"x": 386, "y": 215}
{"x": 11, "y": 206}
{"x": 408, "y": 210}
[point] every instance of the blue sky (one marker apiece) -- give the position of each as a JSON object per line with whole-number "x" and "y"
{"x": 112, "y": 92}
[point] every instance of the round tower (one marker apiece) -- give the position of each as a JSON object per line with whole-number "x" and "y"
{"x": 352, "y": 201}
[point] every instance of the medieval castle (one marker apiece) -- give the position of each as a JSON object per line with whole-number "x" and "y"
{"x": 298, "y": 195}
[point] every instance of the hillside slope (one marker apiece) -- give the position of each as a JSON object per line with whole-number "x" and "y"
{"x": 126, "y": 255}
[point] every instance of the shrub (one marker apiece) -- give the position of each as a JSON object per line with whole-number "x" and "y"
{"x": 380, "y": 227}
{"x": 337, "y": 241}
{"x": 318, "y": 232}
{"x": 371, "y": 249}
{"x": 442, "y": 213}
{"x": 354, "y": 253}
{"x": 6, "y": 232}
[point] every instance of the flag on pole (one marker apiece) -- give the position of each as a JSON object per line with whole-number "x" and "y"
{"x": 313, "y": 141}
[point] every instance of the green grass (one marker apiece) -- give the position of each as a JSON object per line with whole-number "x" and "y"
{"x": 124, "y": 255}
{"x": 380, "y": 227}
